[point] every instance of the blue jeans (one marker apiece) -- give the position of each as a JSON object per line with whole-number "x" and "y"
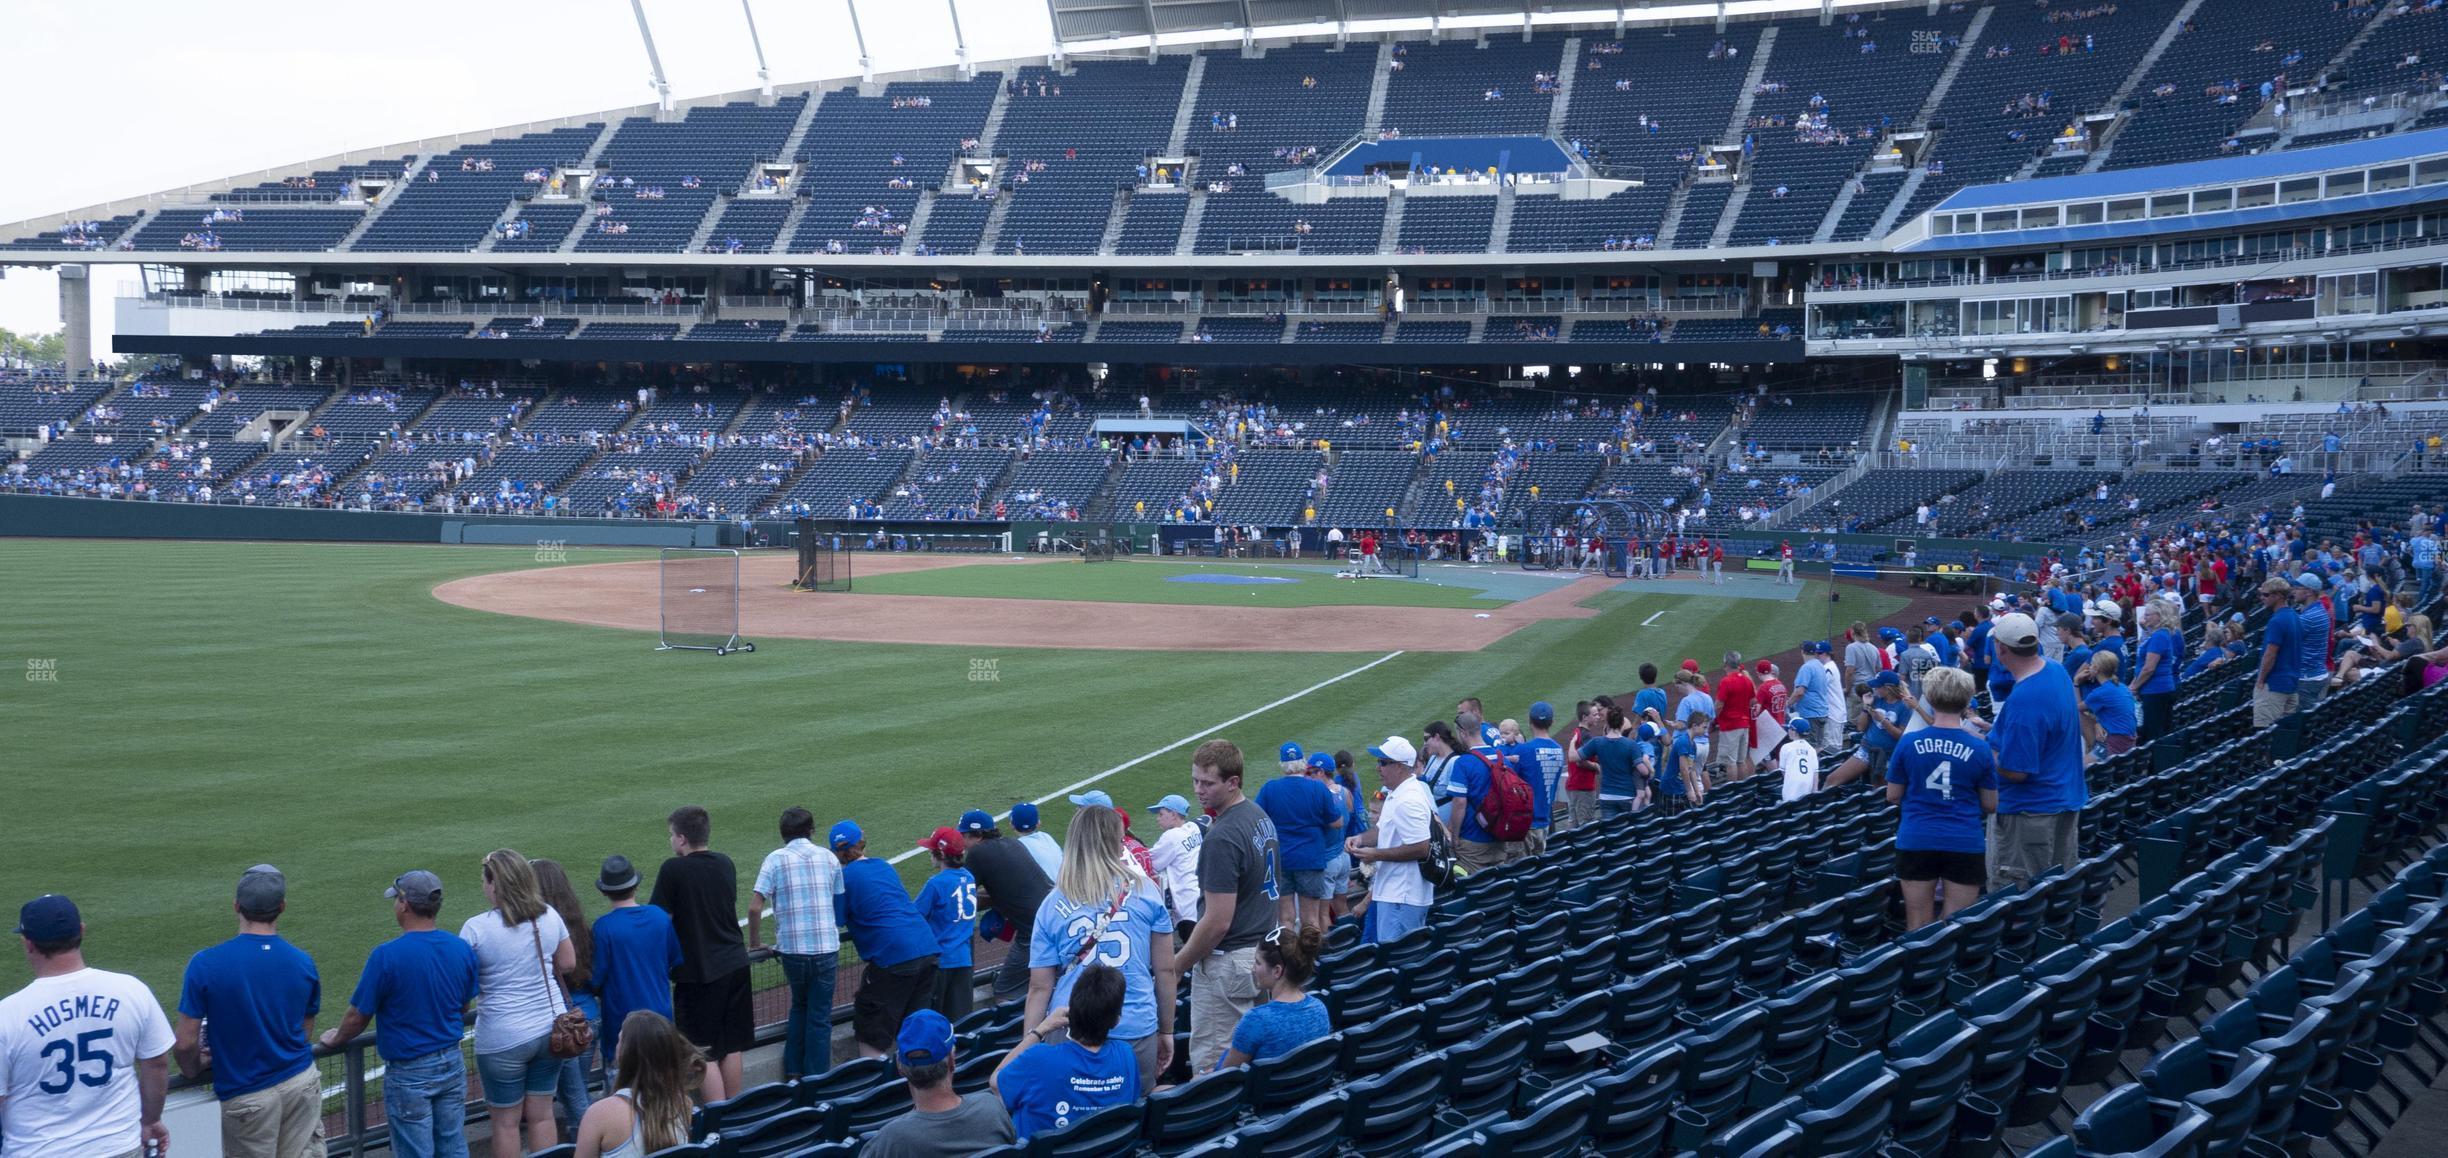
{"x": 425, "y": 1100}
{"x": 2429, "y": 580}
{"x": 1388, "y": 921}
{"x": 807, "y": 1047}
{"x": 1610, "y": 809}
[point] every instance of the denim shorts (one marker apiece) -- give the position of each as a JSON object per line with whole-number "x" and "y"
{"x": 520, "y": 1072}
{"x": 1310, "y": 883}
{"x": 1339, "y": 874}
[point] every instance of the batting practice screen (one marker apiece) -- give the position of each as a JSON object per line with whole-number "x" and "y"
{"x": 699, "y": 601}
{"x": 824, "y": 560}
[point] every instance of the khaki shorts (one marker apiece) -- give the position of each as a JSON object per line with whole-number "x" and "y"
{"x": 2030, "y": 843}
{"x": 2270, "y": 707}
{"x": 283, "y": 1121}
{"x": 1221, "y": 990}
{"x": 1480, "y": 855}
{"x": 1731, "y": 748}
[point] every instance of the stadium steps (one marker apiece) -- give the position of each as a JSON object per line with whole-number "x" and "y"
{"x": 1673, "y": 220}
{"x": 2345, "y": 55}
{"x": 508, "y": 214}
{"x": 993, "y": 127}
{"x": 1182, "y": 116}
{"x": 1113, "y": 220}
{"x": 705, "y": 225}
{"x": 1188, "y": 242}
{"x": 1929, "y": 109}
{"x": 2133, "y": 80}
{"x": 1378, "y": 83}
{"x": 1724, "y": 229}
{"x": 415, "y": 170}
{"x": 1760, "y": 52}
{"x": 578, "y": 230}
{"x": 603, "y": 141}
{"x": 1100, "y": 502}
{"x": 1903, "y": 197}
{"x": 1565, "y": 72}
{"x": 1390, "y": 236}
{"x": 993, "y": 232}
{"x": 789, "y": 152}
{"x": 1500, "y": 229}
{"x": 799, "y": 208}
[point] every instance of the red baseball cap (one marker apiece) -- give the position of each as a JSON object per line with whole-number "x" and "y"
{"x": 944, "y": 841}
{"x": 1691, "y": 665}
{"x": 1767, "y": 665}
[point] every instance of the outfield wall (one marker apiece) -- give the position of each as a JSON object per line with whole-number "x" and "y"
{"x": 52, "y": 516}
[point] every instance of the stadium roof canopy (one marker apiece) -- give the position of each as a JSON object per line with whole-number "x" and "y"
{"x": 2405, "y": 146}
{"x": 1079, "y": 22}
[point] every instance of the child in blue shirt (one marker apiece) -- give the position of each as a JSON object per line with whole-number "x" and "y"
{"x": 948, "y": 904}
{"x": 2110, "y": 717}
{"x": 1945, "y": 778}
{"x": 1290, "y": 1018}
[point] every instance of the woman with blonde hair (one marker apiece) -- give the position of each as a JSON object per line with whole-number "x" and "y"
{"x": 650, "y": 1110}
{"x": 553, "y": 884}
{"x": 2161, "y": 656}
{"x": 2108, "y": 712}
{"x": 522, "y": 950}
{"x": 1103, "y": 909}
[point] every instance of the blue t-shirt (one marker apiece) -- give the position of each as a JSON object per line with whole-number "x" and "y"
{"x": 1942, "y": 771}
{"x": 2115, "y": 645}
{"x": 948, "y": 903}
{"x": 416, "y": 987}
{"x": 2315, "y": 648}
{"x": 874, "y": 910}
{"x": 1648, "y": 698}
{"x": 1946, "y": 649}
{"x": 1976, "y": 645}
{"x": 1809, "y": 686}
{"x": 1541, "y": 762}
{"x": 2284, "y": 632}
{"x": 2423, "y": 552}
{"x": 1898, "y": 712}
{"x": 1274, "y": 1028}
{"x": 1054, "y": 1084}
{"x": 2112, "y": 704}
{"x": 1697, "y": 703}
{"x": 1308, "y": 818}
{"x": 1616, "y": 757}
{"x": 636, "y": 949}
{"x": 1670, "y": 777}
{"x": 1064, "y": 929}
{"x": 1467, "y": 780}
{"x": 2373, "y": 621}
{"x": 2039, "y": 733}
{"x": 2169, "y": 647}
{"x": 257, "y": 991}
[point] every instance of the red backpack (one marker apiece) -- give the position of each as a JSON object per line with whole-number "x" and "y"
{"x": 1505, "y": 811}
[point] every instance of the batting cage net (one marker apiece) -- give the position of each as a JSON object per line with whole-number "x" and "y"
{"x": 1097, "y": 550}
{"x": 824, "y": 560}
{"x": 1558, "y": 536}
{"x": 1393, "y": 561}
{"x": 699, "y": 601}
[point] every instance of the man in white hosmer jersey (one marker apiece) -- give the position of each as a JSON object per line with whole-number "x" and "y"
{"x": 84, "y": 1054}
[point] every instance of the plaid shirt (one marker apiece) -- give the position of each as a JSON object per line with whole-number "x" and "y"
{"x": 800, "y": 881}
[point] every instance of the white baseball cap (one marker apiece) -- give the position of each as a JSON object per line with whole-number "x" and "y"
{"x": 2107, "y": 609}
{"x": 1397, "y": 750}
{"x": 2015, "y": 630}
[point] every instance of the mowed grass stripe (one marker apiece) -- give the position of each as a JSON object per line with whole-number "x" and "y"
{"x": 1151, "y": 581}
{"x": 312, "y": 706}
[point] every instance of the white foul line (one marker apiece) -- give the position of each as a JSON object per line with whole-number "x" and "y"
{"x": 1653, "y": 618}
{"x": 1065, "y": 792}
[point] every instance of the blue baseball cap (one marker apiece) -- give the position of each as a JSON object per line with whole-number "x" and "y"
{"x": 1929, "y": 621}
{"x": 1288, "y": 753}
{"x": 1650, "y": 732}
{"x": 1093, "y": 798}
{"x": 978, "y": 820}
{"x": 1542, "y": 712}
{"x": 1322, "y": 762}
{"x": 1173, "y": 803}
{"x": 925, "y": 1039}
{"x": 2307, "y": 580}
{"x": 1890, "y": 634}
{"x": 845, "y": 833}
{"x": 1024, "y": 817}
{"x": 1886, "y": 679}
{"x": 49, "y": 917}
{"x": 1489, "y": 736}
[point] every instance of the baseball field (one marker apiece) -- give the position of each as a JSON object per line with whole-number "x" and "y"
{"x": 174, "y": 712}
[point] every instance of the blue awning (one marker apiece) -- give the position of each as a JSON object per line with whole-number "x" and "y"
{"x": 2189, "y": 174}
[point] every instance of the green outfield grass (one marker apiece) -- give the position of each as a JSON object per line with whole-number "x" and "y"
{"x": 216, "y": 705}
{"x": 1150, "y": 581}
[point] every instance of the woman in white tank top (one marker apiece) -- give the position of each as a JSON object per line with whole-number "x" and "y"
{"x": 658, "y": 1069}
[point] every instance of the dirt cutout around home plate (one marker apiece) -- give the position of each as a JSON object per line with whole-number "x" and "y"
{"x": 623, "y": 595}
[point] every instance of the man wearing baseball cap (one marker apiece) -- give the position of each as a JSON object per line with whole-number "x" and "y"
{"x": 1308, "y": 818}
{"x": 261, "y": 994}
{"x": 415, "y": 989}
{"x": 2312, "y": 611}
{"x": 940, "y": 1121}
{"x": 897, "y": 950}
{"x": 1010, "y": 883}
{"x": 798, "y": 881}
{"x": 114, "y": 1036}
{"x": 2039, "y": 747}
{"x": 1175, "y": 856}
{"x": 2275, "y": 685}
{"x": 636, "y": 949}
{"x": 1040, "y": 843}
{"x": 1540, "y": 760}
{"x": 1399, "y": 896}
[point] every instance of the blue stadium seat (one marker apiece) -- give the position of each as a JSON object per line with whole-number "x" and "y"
{"x": 1286, "y": 1078}
{"x": 1111, "y": 1132}
{"x": 1391, "y": 1112}
{"x": 1192, "y": 1112}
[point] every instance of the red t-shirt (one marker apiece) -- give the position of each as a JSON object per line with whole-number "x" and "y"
{"x": 1580, "y": 775}
{"x": 1772, "y": 699}
{"x": 1734, "y": 697}
{"x": 1368, "y": 544}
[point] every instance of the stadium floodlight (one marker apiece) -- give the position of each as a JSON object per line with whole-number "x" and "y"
{"x": 764, "y": 76}
{"x": 960, "y": 43}
{"x": 866, "y": 65}
{"x": 654, "y": 60}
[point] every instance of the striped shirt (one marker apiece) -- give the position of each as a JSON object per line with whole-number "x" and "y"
{"x": 800, "y": 881}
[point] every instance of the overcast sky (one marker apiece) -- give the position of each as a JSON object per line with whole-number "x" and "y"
{"x": 195, "y": 93}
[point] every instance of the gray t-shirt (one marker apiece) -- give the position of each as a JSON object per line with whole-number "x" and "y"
{"x": 1239, "y": 857}
{"x": 979, "y": 1123}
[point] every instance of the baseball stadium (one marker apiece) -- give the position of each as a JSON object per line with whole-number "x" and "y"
{"x": 1823, "y": 577}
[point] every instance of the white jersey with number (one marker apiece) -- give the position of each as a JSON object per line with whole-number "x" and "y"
{"x": 68, "y": 1052}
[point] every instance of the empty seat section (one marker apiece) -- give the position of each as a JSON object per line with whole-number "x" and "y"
{"x": 453, "y": 205}
{"x": 1055, "y": 484}
{"x": 1085, "y": 144}
{"x": 1276, "y": 118}
{"x": 1365, "y": 485}
{"x": 1447, "y": 224}
{"x": 2207, "y": 84}
{"x": 1473, "y": 88}
{"x": 239, "y": 227}
{"x": 881, "y": 153}
{"x": 748, "y": 225}
{"x": 843, "y": 475}
{"x": 1269, "y": 487}
{"x": 950, "y": 483}
{"x": 657, "y": 179}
